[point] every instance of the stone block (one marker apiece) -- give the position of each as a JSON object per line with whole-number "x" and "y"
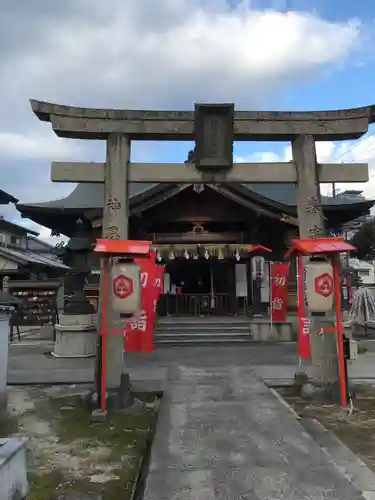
{"x": 268, "y": 333}
{"x": 4, "y": 332}
{"x": 76, "y": 336}
{"x": 353, "y": 349}
{"x": 255, "y": 333}
{"x": 78, "y": 319}
{"x": 263, "y": 331}
{"x": 13, "y": 470}
{"x": 285, "y": 332}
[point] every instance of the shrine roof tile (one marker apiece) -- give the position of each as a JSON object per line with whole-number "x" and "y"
{"x": 86, "y": 196}
{"x": 91, "y": 195}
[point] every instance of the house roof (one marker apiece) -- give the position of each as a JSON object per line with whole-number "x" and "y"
{"x": 91, "y": 195}
{"x": 34, "y": 243}
{"x": 25, "y": 257}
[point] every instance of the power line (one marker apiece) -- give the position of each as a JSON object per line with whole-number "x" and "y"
{"x": 356, "y": 145}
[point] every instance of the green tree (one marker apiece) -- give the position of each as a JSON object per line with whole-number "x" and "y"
{"x": 364, "y": 241}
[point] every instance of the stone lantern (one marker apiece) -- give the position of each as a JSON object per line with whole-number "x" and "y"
{"x": 77, "y": 252}
{"x": 76, "y": 332}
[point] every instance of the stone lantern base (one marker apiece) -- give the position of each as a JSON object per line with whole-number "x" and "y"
{"x": 76, "y": 336}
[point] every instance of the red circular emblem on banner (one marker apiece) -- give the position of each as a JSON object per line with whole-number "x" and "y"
{"x": 122, "y": 286}
{"x": 323, "y": 285}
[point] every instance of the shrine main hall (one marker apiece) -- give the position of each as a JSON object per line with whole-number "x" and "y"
{"x": 202, "y": 233}
{"x": 206, "y": 216}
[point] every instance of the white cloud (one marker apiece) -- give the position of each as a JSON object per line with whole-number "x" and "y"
{"x": 24, "y": 146}
{"x": 261, "y": 156}
{"x": 146, "y": 54}
{"x": 156, "y": 51}
{"x": 360, "y": 151}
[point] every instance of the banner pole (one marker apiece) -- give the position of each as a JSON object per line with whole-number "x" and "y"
{"x": 339, "y": 332}
{"x": 104, "y": 332}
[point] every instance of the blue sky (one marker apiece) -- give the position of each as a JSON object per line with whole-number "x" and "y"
{"x": 168, "y": 54}
{"x": 351, "y": 85}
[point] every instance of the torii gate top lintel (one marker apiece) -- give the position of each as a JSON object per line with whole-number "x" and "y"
{"x": 95, "y": 123}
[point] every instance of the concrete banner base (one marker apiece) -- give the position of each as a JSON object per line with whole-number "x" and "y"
{"x": 263, "y": 331}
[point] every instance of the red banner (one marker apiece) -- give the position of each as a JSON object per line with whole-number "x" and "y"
{"x": 139, "y": 328}
{"x": 279, "y": 274}
{"x": 304, "y": 348}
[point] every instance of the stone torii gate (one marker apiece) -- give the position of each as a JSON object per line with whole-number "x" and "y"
{"x": 214, "y": 127}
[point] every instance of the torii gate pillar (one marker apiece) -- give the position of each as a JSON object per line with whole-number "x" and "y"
{"x": 311, "y": 225}
{"x": 115, "y": 226}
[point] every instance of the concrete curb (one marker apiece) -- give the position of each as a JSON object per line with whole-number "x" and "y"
{"x": 289, "y": 382}
{"x": 339, "y": 455}
{"x": 342, "y": 458}
{"x": 284, "y": 403}
{"x": 55, "y": 377}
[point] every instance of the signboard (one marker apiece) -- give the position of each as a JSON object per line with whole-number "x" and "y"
{"x": 318, "y": 286}
{"x": 125, "y": 287}
{"x": 279, "y": 275}
{"x": 38, "y": 306}
{"x": 265, "y": 285}
{"x": 323, "y": 285}
{"x": 241, "y": 280}
{"x": 214, "y": 136}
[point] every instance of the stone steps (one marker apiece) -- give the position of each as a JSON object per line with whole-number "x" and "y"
{"x": 182, "y": 327}
{"x": 219, "y": 330}
{"x": 196, "y": 320}
{"x": 202, "y": 330}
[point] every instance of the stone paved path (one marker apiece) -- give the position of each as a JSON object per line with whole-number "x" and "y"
{"x": 223, "y": 435}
